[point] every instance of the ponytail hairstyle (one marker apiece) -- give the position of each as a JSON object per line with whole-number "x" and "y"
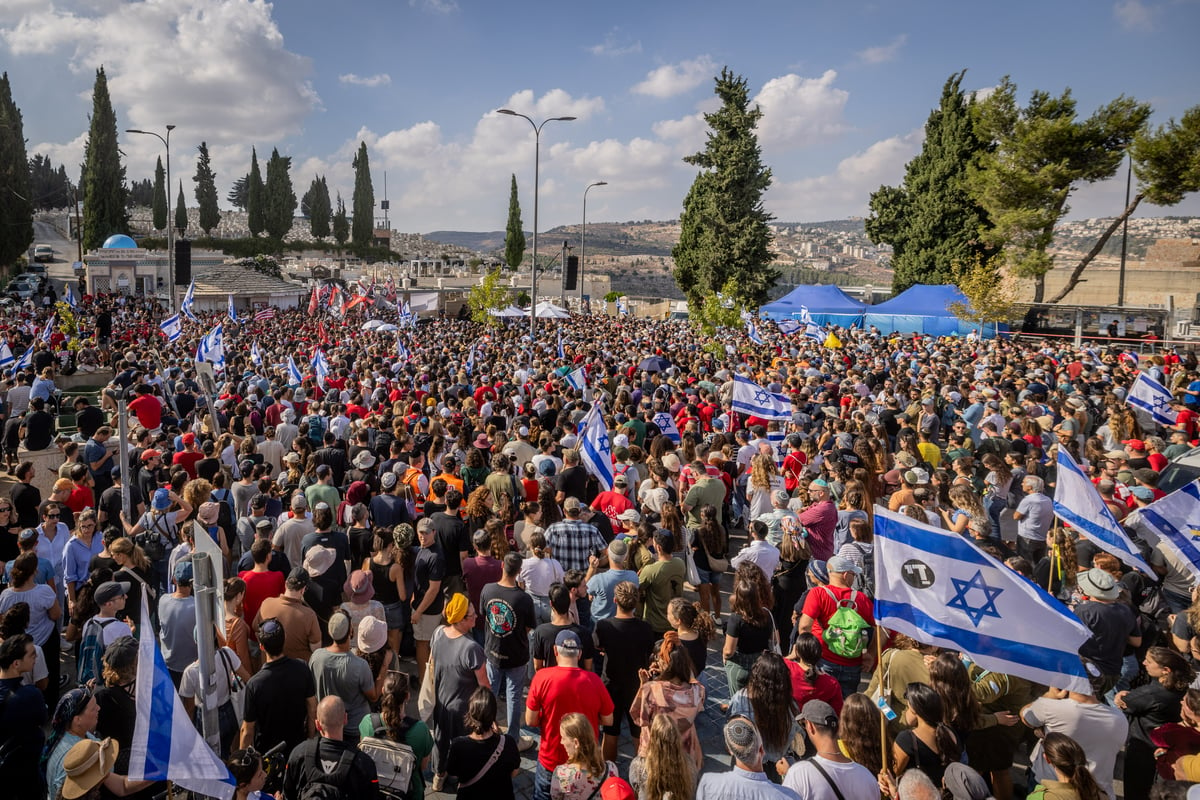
{"x": 693, "y": 617}
{"x": 926, "y": 703}
{"x": 807, "y": 652}
{"x": 537, "y": 544}
{"x": 1065, "y": 755}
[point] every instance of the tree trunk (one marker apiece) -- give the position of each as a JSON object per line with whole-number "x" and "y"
{"x": 1074, "y": 279}
{"x": 1039, "y": 287}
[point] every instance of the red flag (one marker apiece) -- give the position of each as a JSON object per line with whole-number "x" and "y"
{"x": 356, "y": 300}
{"x": 312, "y": 302}
{"x": 321, "y": 332}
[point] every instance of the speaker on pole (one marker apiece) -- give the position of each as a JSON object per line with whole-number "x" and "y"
{"x": 183, "y": 262}
{"x": 571, "y": 276}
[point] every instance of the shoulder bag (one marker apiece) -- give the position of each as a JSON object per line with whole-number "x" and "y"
{"x": 427, "y": 697}
{"x": 492, "y": 759}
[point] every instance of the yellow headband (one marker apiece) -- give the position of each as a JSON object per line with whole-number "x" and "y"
{"x": 456, "y": 608}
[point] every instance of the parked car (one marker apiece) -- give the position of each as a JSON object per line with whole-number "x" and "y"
{"x": 20, "y": 289}
{"x": 1181, "y": 471}
{"x": 43, "y": 252}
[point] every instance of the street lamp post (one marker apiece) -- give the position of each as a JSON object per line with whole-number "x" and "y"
{"x": 583, "y": 240}
{"x": 167, "y": 189}
{"x": 537, "y": 150}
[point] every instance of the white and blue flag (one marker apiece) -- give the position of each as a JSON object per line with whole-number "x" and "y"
{"x": 1152, "y": 397}
{"x": 577, "y": 379}
{"x": 811, "y": 329}
{"x": 1077, "y": 503}
{"x": 69, "y": 296}
{"x": 24, "y": 361}
{"x": 6, "y": 354}
{"x": 752, "y": 399}
{"x": 166, "y": 745}
{"x": 172, "y": 327}
{"x": 320, "y": 367}
{"x": 470, "y": 365}
{"x": 48, "y": 331}
{"x": 562, "y": 353}
{"x": 407, "y": 318}
{"x": 778, "y": 440}
{"x": 295, "y": 377}
{"x": 788, "y": 326}
{"x": 212, "y": 348}
{"x": 666, "y": 424}
{"x": 233, "y": 317}
{"x": 622, "y": 306}
{"x": 1175, "y": 520}
{"x": 401, "y": 350}
{"x": 255, "y": 356}
{"x": 941, "y": 589}
{"x": 595, "y": 450}
{"x": 187, "y": 304}
{"x": 752, "y": 332}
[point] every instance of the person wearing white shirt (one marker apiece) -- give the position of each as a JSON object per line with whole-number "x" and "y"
{"x": 759, "y": 551}
{"x": 828, "y": 775}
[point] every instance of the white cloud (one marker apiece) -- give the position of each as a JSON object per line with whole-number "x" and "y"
{"x": 800, "y": 111}
{"x": 883, "y": 53}
{"x": 371, "y": 81}
{"x": 554, "y": 103}
{"x": 616, "y": 45}
{"x": 437, "y": 6}
{"x": 672, "y": 79}
{"x": 846, "y": 191}
{"x": 1134, "y": 15}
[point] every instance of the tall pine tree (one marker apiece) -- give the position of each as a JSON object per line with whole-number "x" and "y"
{"x": 16, "y": 196}
{"x": 931, "y": 220}
{"x": 256, "y": 197}
{"x": 159, "y": 206}
{"x": 280, "y": 197}
{"x": 319, "y": 210}
{"x": 341, "y": 225}
{"x": 181, "y": 217}
{"x": 514, "y": 234}
{"x": 724, "y": 241}
{"x": 206, "y": 191}
{"x": 104, "y": 194}
{"x": 363, "y": 229}
{"x": 237, "y": 196}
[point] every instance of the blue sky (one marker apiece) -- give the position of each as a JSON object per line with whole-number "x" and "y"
{"x": 845, "y": 88}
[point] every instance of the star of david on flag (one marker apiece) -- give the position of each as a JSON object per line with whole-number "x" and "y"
{"x": 255, "y": 356}
{"x": 6, "y": 354}
{"x": 1149, "y": 395}
{"x": 752, "y": 332}
{"x": 750, "y": 398}
{"x": 24, "y": 361}
{"x": 788, "y": 326}
{"x": 595, "y": 450}
{"x": 172, "y": 327}
{"x": 187, "y": 304}
{"x": 212, "y": 348}
{"x": 1175, "y": 522}
{"x": 295, "y": 378}
{"x": 666, "y": 424}
{"x": 942, "y": 589}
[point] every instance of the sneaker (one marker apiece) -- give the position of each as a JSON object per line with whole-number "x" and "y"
{"x": 525, "y": 743}
{"x": 438, "y": 783}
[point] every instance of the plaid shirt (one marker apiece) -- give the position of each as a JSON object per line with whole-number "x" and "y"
{"x": 573, "y": 541}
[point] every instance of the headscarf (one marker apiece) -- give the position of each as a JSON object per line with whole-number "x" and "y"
{"x": 456, "y": 609}
{"x": 70, "y": 706}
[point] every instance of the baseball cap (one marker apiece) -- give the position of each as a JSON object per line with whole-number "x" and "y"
{"x": 110, "y": 590}
{"x": 189, "y": 438}
{"x": 571, "y": 504}
{"x": 840, "y": 564}
{"x": 297, "y": 578}
{"x": 183, "y": 571}
{"x": 620, "y": 480}
{"x": 630, "y": 514}
{"x": 567, "y": 640}
{"x": 1142, "y": 492}
{"x": 151, "y": 453}
{"x": 820, "y": 713}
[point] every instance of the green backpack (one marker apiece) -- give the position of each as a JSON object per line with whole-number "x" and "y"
{"x": 846, "y": 634}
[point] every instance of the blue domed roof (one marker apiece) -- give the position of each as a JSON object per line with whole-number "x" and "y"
{"x": 119, "y": 241}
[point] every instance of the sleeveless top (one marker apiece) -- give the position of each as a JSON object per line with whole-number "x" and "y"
{"x": 385, "y": 588}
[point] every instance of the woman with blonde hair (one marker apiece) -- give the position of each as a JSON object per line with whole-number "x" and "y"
{"x": 669, "y": 688}
{"x": 665, "y": 769}
{"x": 764, "y": 481}
{"x": 134, "y": 568}
{"x": 1056, "y": 571}
{"x": 967, "y": 508}
{"x": 585, "y": 769}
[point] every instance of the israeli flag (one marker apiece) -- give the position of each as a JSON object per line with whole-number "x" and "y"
{"x": 470, "y": 365}
{"x": 23, "y": 362}
{"x": 295, "y": 378}
{"x": 401, "y": 350}
{"x": 666, "y": 424}
{"x": 752, "y": 399}
{"x": 577, "y": 379}
{"x": 1151, "y": 396}
{"x": 562, "y": 354}
{"x": 1077, "y": 503}
{"x": 320, "y": 367}
{"x": 622, "y": 306}
{"x": 69, "y": 297}
{"x": 48, "y": 331}
{"x": 778, "y": 445}
{"x": 166, "y": 745}
{"x": 212, "y": 348}
{"x": 811, "y": 329}
{"x": 941, "y": 589}
{"x": 752, "y": 332}
{"x": 6, "y": 354}
{"x": 745, "y": 315}
{"x": 595, "y": 450}
{"x": 788, "y": 326}
{"x": 1175, "y": 520}
{"x": 255, "y": 356}
{"x": 407, "y": 318}
{"x": 172, "y": 328}
{"x": 187, "y": 304}
{"x": 233, "y": 317}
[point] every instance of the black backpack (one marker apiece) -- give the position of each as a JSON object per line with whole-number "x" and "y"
{"x": 328, "y": 785}
{"x": 866, "y": 581}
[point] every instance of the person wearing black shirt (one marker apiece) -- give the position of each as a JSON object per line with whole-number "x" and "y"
{"x": 452, "y": 534}
{"x": 88, "y": 418}
{"x": 37, "y": 431}
{"x": 273, "y": 713}
{"x": 333, "y": 456}
{"x": 22, "y": 715}
{"x": 572, "y": 481}
{"x": 627, "y": 642}
{"x": 545, "y": 634}
{"x": 26, "y": 497}
{"x": 508, "y": 616}
{"x": 353, "y": 772}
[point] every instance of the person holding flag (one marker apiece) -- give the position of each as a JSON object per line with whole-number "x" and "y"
{"x": 232, "y": 312}
{"x": 172, "y": 328}
{"x": 188, "y": 303}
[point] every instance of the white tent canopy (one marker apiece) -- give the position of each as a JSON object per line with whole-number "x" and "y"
{"x": 510, "y": 311}
{"x": 547, "y": 310}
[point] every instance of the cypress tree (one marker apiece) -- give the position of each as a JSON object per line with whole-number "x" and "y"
{"x": 363, "y": 229}
{"x": 181, "y": 217}
{"x": 237, "y": 196}
{"x": 159, "y": 205}
{"x": 514, "y": 234}
{"x": 256, "y": 197}
{"x": 16, "y": 196}
{"x": 320, "y": 209}
{"x": 281, "y": 199}
{"x": 931, "y": 220}
{"x": 104, "y": 194}
{"x": 724, "y": 242}
{"x": 341, "y": 225}
{"x": 206, "y": 191}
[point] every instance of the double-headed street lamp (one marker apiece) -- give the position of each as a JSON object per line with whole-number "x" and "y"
{"x": 583, "y": 240}
{"x": 167, "y": 190}
{"x": 537, "y": 149}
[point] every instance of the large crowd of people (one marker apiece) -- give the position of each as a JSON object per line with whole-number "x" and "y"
{"x": 426, "y": 581}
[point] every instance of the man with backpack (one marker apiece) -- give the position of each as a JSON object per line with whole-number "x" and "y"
{"x": 101, "y": 630}
{"x": 842, "y": 618}
{"x": 326, "y": 767}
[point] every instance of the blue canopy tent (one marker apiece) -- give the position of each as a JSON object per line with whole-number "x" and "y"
{"x": 828, "y": 305}
{"x": 925, "y": 310}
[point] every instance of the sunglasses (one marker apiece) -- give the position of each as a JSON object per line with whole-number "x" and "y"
{"x": 53, "y": 516}
{"x": 5, "y": 508}
{"x": 249, "y": 757}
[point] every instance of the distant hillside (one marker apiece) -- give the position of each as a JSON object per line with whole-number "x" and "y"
{"x": 853, "y": 225}
{"x": 480, "y": 242}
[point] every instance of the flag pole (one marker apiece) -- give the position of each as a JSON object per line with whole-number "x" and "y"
{"x": 883, "y": 721}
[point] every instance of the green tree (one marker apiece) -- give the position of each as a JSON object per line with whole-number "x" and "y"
{"x": 724, "y": 237}
{"x": 256, "y": 197}
{"x": 487, "y": 296}
{"x": 1039, "y": 154}
{"x": 341, "y": 225}
{"x": 1167, "y": 164}
{"x": 159, "y": 205}
{"x": 281, "y": 199}
{"x": 319, "y": 209}
{"x": 239, "y": 193}
{"x": 16, "y": 195}
{"x": 363, "y": 200}
{"x": 514, "y": 234}
{"x": 49, "y": 188}
{"x": 930, "y": 220}
{"x": 140, "y": 194}
{"x": 181, "y": 217}
{"x": 103, "y": 176}
{"x": 990, "y": 289}
{"x": 206, "y": 191}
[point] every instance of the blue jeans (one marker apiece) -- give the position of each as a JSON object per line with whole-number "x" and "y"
{"x": 541, "y": 783}
{"x": 509, "y": 683}
{"x": 847, "y": 677}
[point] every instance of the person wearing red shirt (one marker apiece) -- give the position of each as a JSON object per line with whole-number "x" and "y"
{"x": 1185, "y": 419}
{"x": 555, "y": 692}
{"x": 261, "y": 582}
{"x": 81, "y": 496}
{"x": 484, "y": 392}
{"x": 189, "y": 455}
{"x": 147, "y": 408}
{"x": 612, "y": 502}
{"x": 821, "y": 604}
{"x": 793, "y": 464}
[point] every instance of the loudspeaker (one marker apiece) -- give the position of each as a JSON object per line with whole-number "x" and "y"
{"x": 183, "y": 262}
{"x": 571, "y": 276}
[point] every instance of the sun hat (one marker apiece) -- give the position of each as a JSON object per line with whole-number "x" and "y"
{"x": 86, "y": 764}
{"x": 359, "y": 586}
{"x": 456, "y": 608}
{"x": 162, "y": 499}
{"x": 364, "y": 460}
{"x": 372, "y": 634}
{"x": 482, "y": 442}
{"x": 208, "y": 513}
{"x": 671, "y": 462}
{"x": 630, "y": 515}
{"x": 1098, "y": 584}
{"x": 318, "y": 560}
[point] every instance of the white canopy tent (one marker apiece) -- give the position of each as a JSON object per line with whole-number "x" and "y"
{"x": 547, "y": 310}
